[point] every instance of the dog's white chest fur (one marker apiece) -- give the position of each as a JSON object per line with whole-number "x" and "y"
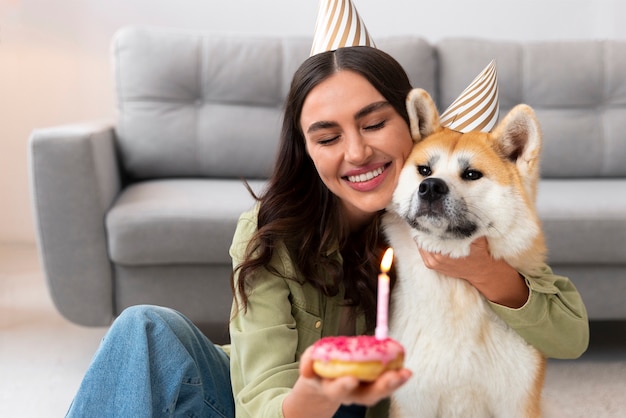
{"x": 466, "y": 361}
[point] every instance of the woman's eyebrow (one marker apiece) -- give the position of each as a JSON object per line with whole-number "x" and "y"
{"x": 371, "y": 108}
{"x": 323, "y": 124}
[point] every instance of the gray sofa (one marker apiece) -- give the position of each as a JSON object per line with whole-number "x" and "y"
{"x": 142, "y": 210}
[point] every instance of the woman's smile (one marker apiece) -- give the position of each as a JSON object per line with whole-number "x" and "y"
{"x": 367, "y": 179}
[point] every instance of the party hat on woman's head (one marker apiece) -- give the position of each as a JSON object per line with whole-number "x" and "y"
{"x": 477, "y": 108}
{"x": 338, "y": 25}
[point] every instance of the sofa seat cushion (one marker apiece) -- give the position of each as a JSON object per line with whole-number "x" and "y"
{"x": 179, "y": 221}
{"x": 584, "y": 220}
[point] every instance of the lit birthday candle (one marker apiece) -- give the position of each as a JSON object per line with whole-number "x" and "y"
{"x": 383, "y": 296}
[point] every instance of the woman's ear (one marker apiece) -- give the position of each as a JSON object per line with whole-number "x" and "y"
{"x": 423, "y": 114}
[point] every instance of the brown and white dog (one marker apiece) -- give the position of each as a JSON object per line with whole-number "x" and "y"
{"x": 454, "y": 188}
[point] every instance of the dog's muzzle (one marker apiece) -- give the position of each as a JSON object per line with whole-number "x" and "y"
{"x": 433, "y": 208}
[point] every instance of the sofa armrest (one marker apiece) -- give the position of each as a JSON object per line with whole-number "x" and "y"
{"x": 74, "y": 177}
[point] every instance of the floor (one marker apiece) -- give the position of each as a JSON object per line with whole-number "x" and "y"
{"x": 43, "y": 356}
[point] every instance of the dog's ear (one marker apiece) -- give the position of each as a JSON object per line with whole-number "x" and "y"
{"x": 423, "y": 114}
{"x": 518, "y": 138}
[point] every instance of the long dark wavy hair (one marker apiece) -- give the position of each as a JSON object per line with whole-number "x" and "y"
{"x": 298, "y": 210}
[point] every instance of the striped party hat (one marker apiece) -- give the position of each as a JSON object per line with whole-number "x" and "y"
{"x": 477, "y": 108}
{"x": 339, "y": 25}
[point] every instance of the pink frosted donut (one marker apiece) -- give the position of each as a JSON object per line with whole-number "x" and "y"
{"x": 364, "y": 357}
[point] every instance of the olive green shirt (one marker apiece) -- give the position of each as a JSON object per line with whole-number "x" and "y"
{"x": 284, "y": 317}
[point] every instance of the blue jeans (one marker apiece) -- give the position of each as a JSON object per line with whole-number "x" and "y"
{"x": 154, "y": 362}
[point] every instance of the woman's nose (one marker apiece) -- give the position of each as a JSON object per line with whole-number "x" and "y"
{"x": 357, "y": 149}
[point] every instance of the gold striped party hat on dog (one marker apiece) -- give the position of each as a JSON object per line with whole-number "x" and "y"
{"x": 339, "y": 25}
{"x": 477, "y": 108}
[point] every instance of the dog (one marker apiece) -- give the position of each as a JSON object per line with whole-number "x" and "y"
{"x": 454, "y": 188}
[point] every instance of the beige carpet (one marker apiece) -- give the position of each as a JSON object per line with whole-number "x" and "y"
{"x": 594, "y": 385}
{"x": 43, "y": 356}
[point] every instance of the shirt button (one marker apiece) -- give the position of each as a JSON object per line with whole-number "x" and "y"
{"x": 318, "y": 324}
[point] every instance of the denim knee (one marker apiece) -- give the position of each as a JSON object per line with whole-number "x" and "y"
{"x": 150, "y": 316}
{"x": 141, "y": 313}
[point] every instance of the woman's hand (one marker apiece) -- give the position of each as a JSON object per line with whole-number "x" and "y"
{"x": 495, "y": 279}
{"x": 313, "y": 396}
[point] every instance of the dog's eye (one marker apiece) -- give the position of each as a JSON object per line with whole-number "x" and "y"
{"x": 471, "y": 174}
{"x": 424, "y": 170}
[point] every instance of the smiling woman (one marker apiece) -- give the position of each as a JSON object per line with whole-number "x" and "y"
{"x": 346, "y": 134}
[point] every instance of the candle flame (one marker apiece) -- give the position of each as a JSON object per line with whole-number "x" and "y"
{"x": 385, "y": 265}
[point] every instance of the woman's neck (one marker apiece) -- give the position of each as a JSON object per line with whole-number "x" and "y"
{"x": 357, "y": 220}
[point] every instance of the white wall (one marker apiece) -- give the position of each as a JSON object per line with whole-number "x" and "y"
{"x": 55, "y": 69}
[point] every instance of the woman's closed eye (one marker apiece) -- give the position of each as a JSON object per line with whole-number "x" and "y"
{"x": 376, "y": 126}
{"x": 327, "y": 141}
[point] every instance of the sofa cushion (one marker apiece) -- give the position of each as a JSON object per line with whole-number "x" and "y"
{"x": 187, "y": 101}
{"x": 584, "y": 220}
{"x": 577, "y": 89}
{"x": 180, "y": 221}
{"x": 195, "y": 104}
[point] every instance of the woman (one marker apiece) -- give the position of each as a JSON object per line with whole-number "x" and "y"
{"x": 306, "y": 259}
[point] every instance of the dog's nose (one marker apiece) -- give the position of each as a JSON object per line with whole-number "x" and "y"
{"x": 432, "y": 189}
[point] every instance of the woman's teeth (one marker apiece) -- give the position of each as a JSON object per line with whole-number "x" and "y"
{"x": 366, "y": 176}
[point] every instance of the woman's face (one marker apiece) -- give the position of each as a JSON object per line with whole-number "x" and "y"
{"x": 357, "y": 141}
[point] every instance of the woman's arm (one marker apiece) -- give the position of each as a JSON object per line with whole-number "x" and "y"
{"x": 264, "y": 339}
{"x": 546, "y": 310}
